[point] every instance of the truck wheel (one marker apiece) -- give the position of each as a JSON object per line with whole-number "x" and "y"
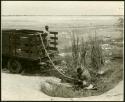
{"x": 14, "y": 66}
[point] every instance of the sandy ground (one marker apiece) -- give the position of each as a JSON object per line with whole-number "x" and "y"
{"x": 26, "y": 88}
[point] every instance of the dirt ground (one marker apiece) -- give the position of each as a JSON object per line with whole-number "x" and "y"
{"x": 26, "y": 88}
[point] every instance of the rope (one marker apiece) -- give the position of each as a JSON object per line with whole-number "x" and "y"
{"x": 52, "y": 61}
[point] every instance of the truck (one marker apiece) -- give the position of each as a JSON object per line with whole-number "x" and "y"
{"x": 22, "y": 49}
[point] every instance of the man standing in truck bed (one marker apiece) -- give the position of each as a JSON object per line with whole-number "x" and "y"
{"x": 47, "y": 37}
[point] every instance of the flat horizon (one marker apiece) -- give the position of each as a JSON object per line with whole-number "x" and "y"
{"x": 62, "y": 15}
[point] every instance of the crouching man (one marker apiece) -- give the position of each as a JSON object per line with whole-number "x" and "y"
{"x": 84, "y": 79}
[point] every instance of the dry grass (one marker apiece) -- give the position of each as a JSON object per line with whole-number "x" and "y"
{"x": 88, "y": 54}
{"x": 103, "y": 83}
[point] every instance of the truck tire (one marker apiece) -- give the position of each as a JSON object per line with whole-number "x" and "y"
{"x": 14, "y": 66}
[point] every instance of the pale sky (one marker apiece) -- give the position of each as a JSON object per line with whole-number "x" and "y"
{"x": 62, "y": 7}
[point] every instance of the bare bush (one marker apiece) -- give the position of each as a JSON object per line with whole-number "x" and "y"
{"x": 83, "y": 52}
{"x": 75, "y": 51}
{"x": 97, "y": 58}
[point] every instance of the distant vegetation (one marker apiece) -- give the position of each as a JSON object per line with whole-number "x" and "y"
{"x": 120, "y": 22}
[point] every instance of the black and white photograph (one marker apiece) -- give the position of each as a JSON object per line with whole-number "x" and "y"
{"x": 62, "y": 50}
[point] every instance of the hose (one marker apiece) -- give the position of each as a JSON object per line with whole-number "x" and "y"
{"x": 52, "y": 61}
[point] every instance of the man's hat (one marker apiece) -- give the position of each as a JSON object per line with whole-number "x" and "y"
{"x": 79, "y": 70}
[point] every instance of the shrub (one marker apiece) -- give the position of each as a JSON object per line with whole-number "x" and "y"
{"x": 97, "y": 58}
{"x": 85, "y": 54}
{"x": 75, "y": 51}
